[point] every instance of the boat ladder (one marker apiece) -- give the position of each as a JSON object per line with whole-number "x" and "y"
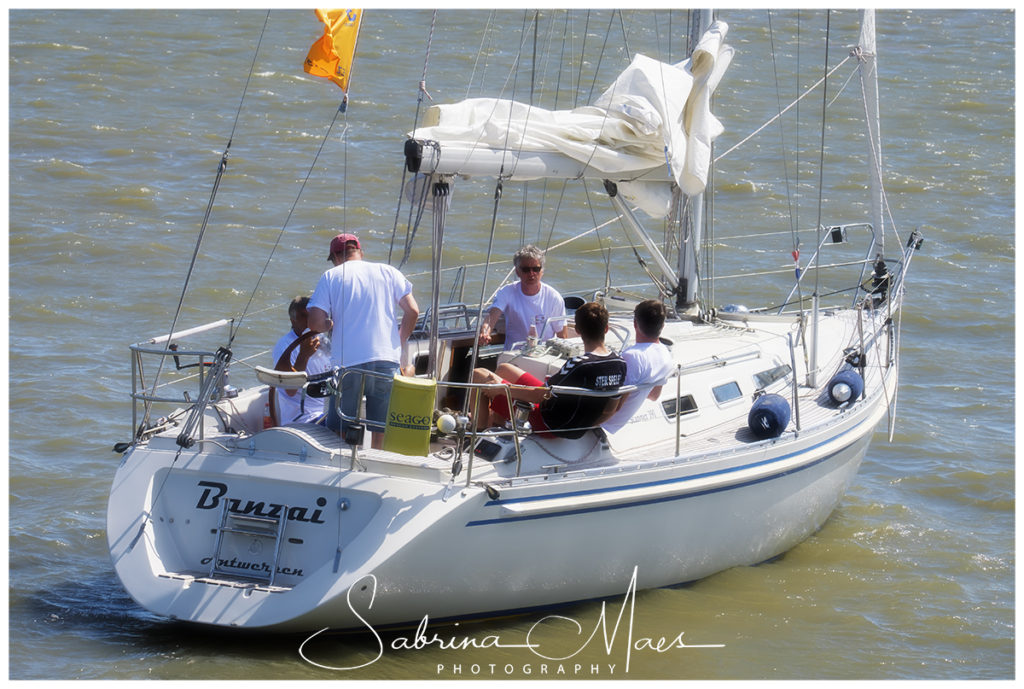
{"x": 252, "y": 534}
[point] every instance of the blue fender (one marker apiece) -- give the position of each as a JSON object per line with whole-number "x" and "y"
{"x": 845, "y": 387}
{"x": 769, "y": 416}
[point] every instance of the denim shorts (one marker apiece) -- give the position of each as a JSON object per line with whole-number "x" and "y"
{"x": 376, "y": 388}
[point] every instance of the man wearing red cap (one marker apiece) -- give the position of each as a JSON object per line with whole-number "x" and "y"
{"x": 359, "y": 302}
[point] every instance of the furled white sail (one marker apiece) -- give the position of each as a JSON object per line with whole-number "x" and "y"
{"x": 651, "y": 127}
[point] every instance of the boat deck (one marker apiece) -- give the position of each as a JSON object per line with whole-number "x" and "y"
{"x": 733, "y": 352}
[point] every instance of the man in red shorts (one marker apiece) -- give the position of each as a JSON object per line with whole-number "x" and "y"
{"x": 568, "y": 416}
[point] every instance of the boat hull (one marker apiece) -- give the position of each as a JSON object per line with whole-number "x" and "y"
{"x": 591, "y": 552}
{"x": 363, "y": 548}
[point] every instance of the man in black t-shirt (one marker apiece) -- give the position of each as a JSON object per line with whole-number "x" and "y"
{"x": 568, "y": 416}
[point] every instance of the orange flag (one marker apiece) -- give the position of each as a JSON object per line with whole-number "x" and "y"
{"x": 331, "y": 56}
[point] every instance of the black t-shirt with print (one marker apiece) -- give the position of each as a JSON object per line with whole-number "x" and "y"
{"x": 575, "y": 413}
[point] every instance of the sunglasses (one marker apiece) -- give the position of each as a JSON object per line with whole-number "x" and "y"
{"x": 530, "y": 269}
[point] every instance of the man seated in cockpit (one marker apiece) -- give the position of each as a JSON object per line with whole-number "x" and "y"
{"x": 293, "y": 405}
{"x": 648, "y": 362}
{"x": 568, "y": 416}
{"x": 528, "y": 302}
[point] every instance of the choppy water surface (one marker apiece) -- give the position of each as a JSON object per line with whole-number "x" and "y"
{"x": 117, "y": 121}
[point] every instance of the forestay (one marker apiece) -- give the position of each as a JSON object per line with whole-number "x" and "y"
{"x": 654, "y": 113}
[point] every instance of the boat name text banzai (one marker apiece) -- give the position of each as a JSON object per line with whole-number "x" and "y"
{"x": 213, "y": 492}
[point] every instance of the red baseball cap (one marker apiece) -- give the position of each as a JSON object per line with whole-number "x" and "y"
{"x": 339, "y": 242}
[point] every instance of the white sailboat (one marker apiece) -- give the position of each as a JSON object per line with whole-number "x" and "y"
{"x": 215, "y": 519}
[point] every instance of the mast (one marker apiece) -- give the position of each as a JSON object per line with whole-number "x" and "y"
{"x": 693, "y": 208}
{"x": 869, "y": 82}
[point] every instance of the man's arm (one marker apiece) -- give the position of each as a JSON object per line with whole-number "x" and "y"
{"x": 317, "y": 320}
{"x": 307, "y": 343}
{"x": 488, "y": 325}
{"x": 559, "y": 312}
{"x": 410, "y": 312}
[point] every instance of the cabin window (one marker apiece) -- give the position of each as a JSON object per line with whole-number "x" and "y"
{"x": 686, "y": 405}
{"x": 766, "y": 378}
{"x": 727, "y": 392}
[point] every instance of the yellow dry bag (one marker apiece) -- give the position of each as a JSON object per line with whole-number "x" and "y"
{"x": 410, "y": 416}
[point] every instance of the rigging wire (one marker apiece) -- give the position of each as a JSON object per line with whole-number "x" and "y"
{"x": 277, "y": 242}
{"x": 597, "y": 71}
{"x": 795, "y": 238}
{"x": 483, "y": 284}
{"x": 771, "y": 120}
{"x": 536, "y": 82}
{"x": 533, "y": 60}
{"x": 583, "y": 51}
{"x": 557, "y": 93}
{"x": 625, "y": 38}
{"x": 821, "y": 162}
{"x": 600, "y": 57}
{"x": 666, "y": 238}
{"x": 526, "y": 124}
{"x": 548, "y": 56}
{"x": 420, "y": 196}
{"x": 782, "y": 130}
{"x": 796, "y": 115}
{"x": 709, "y": 214}
{"x": 874, "y": 140}
{"x": 422, "y": 91}
{"x": 480, "y": 51}
{"x": 533, "y": 101}
{"x": 221, "y": 167}
{"x": 604, "y": 250}
{"x": 516, "y": 64}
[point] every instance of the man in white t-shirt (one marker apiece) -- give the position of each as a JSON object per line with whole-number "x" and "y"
{"x": 648, "y": 363}
{"x": 359, "y": 302}
{"x": 293, "y": 405}
{"x": 526, "y": 302}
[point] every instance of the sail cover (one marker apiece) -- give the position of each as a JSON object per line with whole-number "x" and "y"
{"x": 651, "y": 127}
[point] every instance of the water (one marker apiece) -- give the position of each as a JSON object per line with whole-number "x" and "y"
{"x": 117, "y": 122}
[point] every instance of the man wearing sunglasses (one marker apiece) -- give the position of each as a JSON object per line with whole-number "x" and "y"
{"x": 526, "y": 302}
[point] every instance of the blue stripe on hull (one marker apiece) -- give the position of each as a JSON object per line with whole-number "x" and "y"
{"x": 650, "y": 501}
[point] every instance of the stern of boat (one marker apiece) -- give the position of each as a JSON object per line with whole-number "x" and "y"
{"x": 260, "y": 531}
